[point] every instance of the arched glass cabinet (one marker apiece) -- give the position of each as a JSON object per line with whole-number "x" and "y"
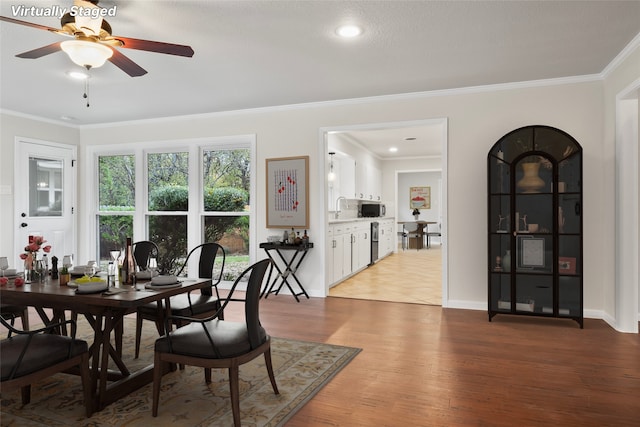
{"x": 535, "y": 224}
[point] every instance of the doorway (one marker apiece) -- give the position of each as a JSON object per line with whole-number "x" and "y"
{"x": 45, "y": 188}
{"x": 378, "y": 138}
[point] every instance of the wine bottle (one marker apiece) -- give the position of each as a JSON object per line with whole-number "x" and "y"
{"x": 128, "y": 270}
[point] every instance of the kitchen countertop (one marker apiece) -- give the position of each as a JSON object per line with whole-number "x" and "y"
{"x": 341, "y": 220}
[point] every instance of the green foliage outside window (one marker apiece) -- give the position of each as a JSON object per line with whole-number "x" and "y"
{"x": 169, "y": 232}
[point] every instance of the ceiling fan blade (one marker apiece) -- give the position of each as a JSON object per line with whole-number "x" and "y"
{"x": 159, "y": 47}
{"x": 126, "y": 65}
{"x": 29, "y": 24}
{"x": 40, "y": 52}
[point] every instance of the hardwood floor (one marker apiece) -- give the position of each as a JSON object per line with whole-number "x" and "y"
{"x": 423, "y": 365}
{"x": 407, "y": 276}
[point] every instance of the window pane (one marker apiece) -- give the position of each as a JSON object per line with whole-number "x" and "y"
{"x": 45, "y": 187}
{"x": 168, "y": 181}
{"x": 113, "y": 231}
{"x": 227, "y": 175}
{"x": 169, "y": 232}
{"x": 116, "y": 181}
{"x": 232, "y": 233}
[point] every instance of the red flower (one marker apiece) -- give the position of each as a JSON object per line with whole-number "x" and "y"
{"x": 19, "y": 281}
{"x": 3, "y": 281}
{"x": 35, "y": 244}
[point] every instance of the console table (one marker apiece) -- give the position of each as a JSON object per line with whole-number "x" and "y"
{"x": 286, "y": 268}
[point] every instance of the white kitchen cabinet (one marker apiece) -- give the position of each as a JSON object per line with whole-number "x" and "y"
{"x": 360, "y": 181}
{"x": 386, "y": 237}
{"x": 374, "y": 182}
{"x": 343, "y": 183}
{"x": 363, "y": 251}
{"x": 335, "y": 259}
{"x": 339, "y": 241}
{"x": 347, "y": 254}
{"x": 349, "y": 246}
{"x": 368, "y": 182}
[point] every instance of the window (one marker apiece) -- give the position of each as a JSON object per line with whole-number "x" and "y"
{"x": 45, "y": 198}
{"x": 168, "y": 191}
{"x": 161, "y": 203}
{"x": 226, "y": 201}
{"x": 116, "y": 203}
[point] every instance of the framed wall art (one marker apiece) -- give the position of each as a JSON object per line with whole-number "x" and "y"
{"x": 288, "y": 192}
{"x": 420, "y": 197}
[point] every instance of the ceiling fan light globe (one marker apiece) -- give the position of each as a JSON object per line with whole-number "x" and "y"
{"x": 86, "y": 54}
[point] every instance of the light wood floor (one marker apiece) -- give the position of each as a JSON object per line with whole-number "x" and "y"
{"x": 407, "y": 276}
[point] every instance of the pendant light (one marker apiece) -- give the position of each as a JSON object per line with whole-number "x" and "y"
{"x": 332, "y": 175}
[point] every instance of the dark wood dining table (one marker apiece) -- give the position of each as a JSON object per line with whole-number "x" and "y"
{"x": 105, "y": 314}
{"x": 421, "y": 231}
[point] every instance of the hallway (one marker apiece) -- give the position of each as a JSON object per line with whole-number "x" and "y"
{"x": 406, "y": 276}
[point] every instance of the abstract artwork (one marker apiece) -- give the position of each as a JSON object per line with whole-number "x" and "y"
{"x": 287, "y": 192}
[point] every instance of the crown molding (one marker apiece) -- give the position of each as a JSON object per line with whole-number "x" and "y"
{"x": 38, "y": 118}
{"x": 624, "y": 53}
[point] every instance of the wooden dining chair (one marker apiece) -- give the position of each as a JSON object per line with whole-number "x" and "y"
{"x": 30, "y": 356}
{"x": 10, "y": 311}
{"x": 215, "y": 343}
{"x": 410, "y": 231}
{"x": 210, "y": 266}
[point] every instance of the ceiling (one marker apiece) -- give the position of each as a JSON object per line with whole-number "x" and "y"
{"x": 252, "y": 54}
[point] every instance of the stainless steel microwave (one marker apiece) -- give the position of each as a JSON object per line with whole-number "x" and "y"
{"x": 370, "y": 210}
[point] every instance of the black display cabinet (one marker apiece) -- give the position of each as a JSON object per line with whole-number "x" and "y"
{"x": 535, "y": 224}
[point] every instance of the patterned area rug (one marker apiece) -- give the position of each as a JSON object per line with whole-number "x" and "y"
{"x": 301, "y": 370}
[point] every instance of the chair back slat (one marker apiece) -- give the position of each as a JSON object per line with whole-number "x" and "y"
{"x": 142, "y": 251}
{"x": 209, "y": 253}
{"x": 252, "y": 303}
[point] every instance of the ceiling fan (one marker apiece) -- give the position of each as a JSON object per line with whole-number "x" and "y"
{"x": 93, "y": 43}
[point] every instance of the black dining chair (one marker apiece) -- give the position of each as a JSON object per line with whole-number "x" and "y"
{"x": 30, "y": 356}
{"x": 142, "y": 251}
{"x": 215, "y": 343}
{"x": 210, "y": 266}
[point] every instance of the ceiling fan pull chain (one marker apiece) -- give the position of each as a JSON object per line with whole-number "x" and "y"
{"x": 86, "y": 91}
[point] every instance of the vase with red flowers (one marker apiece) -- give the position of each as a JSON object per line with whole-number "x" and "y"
{"x": 34, "y": 267}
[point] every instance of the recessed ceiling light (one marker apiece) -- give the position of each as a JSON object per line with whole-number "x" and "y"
{"x": 78, "y": 75}
{"x": 393, "y": 149}
{"x": 349, "y": 31}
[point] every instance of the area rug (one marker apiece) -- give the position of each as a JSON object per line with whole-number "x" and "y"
{"x": 301, "y": 370}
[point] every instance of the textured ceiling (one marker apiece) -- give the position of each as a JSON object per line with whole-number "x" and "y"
{"x": 251, "y": 54}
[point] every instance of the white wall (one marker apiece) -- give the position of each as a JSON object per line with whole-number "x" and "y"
{"x": 476, "y": 119}
{"x": 622, "y": 299}
{"x": 418, "y": 179}
{"x": 391, "y": 167}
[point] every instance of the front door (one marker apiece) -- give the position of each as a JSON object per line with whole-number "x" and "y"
{"x": 45, "y": 185}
